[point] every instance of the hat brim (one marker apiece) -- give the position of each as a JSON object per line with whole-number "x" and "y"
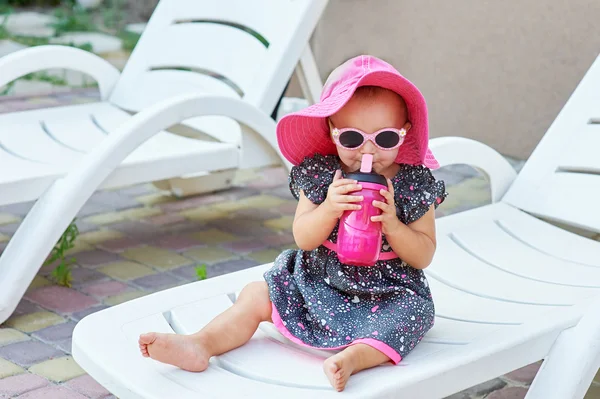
{"x": 306, "y": 132}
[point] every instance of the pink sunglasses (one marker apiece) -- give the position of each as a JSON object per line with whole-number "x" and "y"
{"x": 352, "y": 138}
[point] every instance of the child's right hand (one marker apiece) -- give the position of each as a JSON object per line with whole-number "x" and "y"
{"x": 338, "y": 200}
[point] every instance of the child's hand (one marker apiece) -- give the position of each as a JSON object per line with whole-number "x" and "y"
{"x": 389, "y": 220}
{"x": 338, "y": 200}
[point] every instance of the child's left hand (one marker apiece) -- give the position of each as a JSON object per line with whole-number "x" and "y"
{"x": 389, "y": 220}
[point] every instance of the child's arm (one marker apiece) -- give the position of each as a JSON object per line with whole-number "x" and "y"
{"x": 413, "y": 243}
{"x": 313, "y": 223}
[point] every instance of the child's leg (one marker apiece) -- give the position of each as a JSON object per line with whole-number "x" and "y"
{"x": 227, "y": 331}
{"x": 351, "y": 360}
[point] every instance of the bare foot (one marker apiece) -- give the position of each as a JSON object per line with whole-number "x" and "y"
{"x": 338, "y": 368}
{"x": 183, "y": 351}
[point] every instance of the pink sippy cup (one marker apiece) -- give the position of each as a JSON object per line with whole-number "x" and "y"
{"x": 359, "y": 239}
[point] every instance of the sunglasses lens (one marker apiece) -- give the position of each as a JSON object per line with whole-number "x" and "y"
{"x": 351, "y": 139}
{"x": 387, "y": 139}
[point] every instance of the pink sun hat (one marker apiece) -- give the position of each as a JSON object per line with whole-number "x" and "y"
{"x": 306, "y": 132}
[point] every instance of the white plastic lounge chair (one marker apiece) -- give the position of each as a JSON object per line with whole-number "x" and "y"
{"x": 510, "y": 289}
{"x": 38, "y": 148}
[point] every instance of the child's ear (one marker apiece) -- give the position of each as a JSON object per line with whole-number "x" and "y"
{"x": 407, "y": 126}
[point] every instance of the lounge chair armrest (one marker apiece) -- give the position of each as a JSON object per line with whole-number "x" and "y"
{"x": 33, "y": 59}
{"x": 459, "y": 150}
{"x": 573, "y": 361}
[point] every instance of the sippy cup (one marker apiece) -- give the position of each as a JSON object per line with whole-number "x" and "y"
{"x": 359, "y": 239}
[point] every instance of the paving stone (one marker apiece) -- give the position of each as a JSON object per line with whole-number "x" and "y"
{"x": 87, "y": 386}
{"x": 120, "y": 244}
{"x": 104, "y": 289}
{"x": 25, "y": 307}
{"x": 8, "y": 369}
{"x": 126, "y": 270}
{"x": 99, "y": 236}
{"x": 9, "y": 336}
{"x": 90, "y": 209}
{"x": 7, "y": 218}
{"x": 209, "y": 254}
{"x": 483, "y": 388}
{"x": 472, "y": 192}
{"x": 31, "y": 322}
{"x": 79, "y": 246}
{"x": 176, "y": 243}
{"x": 4, "y": 238}
{"x": 204, "y": 214}
{"x": 242, "y": 228}
{"x": 232, "y": 206}
{"x": 156, "y": 281}
{"x": 100, "y": 42}
{"x": 140, "y": 213}
{"x": 244, "y": 246}
{"x": 162, "y": 220}
{"x": 81, "y": 276}
{"x": 9, "y": 229}
{"x": 114, "y": 200}
{"x": 7, "y": 47}
{"x": 58, "y": 370}
{"x": 126, "y": 296}
{"x": 282, "y": 192}
{"x": 508, "y": 393}
{"x": 20, "y": 384}
{"x": 80, "y": 315}
{"x": 38, "y": 282}
{"x": 593, "y": 392}
{"x": 191, "y": 202}
{"x": 65, "y": 346}
{"x": 27, "y": 353}
{"x": 289, "y": 208}
{"x": 156, "y": 257}
{"x": 52, "y": 392}
{"x": 19, "y": 209}
{"x": 56, "y": 333}
{"x": 213, "y": 236}
{"x": 61, "y": 299}
{"x": 257, "y": 214}
{"x": 597, "y": 377}
{"x": 105, "y": 218}
{"x": 263, "y": 201}
{"x": 96, "y": 257}
{"x": 277, "y": 240}
{"x": 525, "y": 374}
{"x": 283, "y": 223}
{"x": 264, "y": 256}
{"x": 139, "y": 230}
{"x": 238, "y": 193}
{"x": 229, "y": 267}
{"x": 30, "y": 24}
{"x": 187, "y": 273}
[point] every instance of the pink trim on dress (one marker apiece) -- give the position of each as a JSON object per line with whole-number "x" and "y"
{"x": 374, "y": 343}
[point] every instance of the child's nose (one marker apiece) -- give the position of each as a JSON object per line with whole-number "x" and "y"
{"x": 368, "y": 148}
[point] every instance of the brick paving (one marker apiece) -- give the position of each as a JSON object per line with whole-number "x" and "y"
{"x": 137, "y": 240}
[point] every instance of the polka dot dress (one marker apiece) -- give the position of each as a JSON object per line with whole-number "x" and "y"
{"x": 320, "y": 302}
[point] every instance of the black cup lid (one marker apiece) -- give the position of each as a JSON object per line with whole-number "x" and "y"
{"x": 368, "y": 178}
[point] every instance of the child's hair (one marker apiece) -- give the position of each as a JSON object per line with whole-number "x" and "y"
{"x": 371, "y": 92}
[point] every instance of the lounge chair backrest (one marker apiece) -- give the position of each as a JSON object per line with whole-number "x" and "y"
{"x": 561, "y": 179}
{"x": 230, "y": 47}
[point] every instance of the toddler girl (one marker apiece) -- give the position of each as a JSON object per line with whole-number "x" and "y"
{"x": 375, "y": 314}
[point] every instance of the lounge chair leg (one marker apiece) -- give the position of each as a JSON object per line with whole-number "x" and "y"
{"x": 573, "y": 361}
